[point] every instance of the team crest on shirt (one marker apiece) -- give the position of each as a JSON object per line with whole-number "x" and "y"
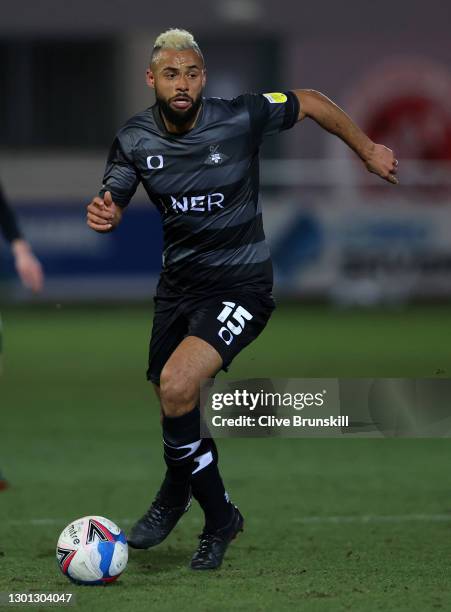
{"x": 215, "y": 157}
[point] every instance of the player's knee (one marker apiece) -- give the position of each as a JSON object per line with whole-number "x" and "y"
{"x": 178, "y": 394}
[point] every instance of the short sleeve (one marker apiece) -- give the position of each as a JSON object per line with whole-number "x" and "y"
{"x": 121, "y": 177}
{"x": 271, "y": 113}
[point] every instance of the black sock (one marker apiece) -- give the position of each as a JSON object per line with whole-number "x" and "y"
{"x": 208, "y": 488}
{"x": 181, "y": 440}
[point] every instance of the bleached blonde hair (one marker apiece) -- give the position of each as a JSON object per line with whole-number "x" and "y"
{"x": 175, "y": 38}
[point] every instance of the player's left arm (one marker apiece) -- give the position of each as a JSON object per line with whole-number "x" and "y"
{"x": 27, "y": 264}
{"x": 377, "y": 158}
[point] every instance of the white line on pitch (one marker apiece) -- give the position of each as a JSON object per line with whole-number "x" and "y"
{"x": 318, "y": 520}
{"x": 374, "y": 518}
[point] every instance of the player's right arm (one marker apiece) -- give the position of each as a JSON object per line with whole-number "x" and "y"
{"x": 104, "y": 212}
{"x": 103, "y": 215}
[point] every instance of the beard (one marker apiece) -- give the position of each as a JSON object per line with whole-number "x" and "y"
{"x": 179, "y": 118}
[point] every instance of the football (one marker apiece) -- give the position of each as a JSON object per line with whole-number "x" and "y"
{"x": 92, "y": 550}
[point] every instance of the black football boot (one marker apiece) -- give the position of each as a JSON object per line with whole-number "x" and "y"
{"x": 157, "y": 523}
{"x": 213, "y": 544}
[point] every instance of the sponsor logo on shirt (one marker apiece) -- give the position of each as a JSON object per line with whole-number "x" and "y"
{"x": 200, "y": 203}
{"x": 155, "y": 162}
{"x": 276, "y": 97}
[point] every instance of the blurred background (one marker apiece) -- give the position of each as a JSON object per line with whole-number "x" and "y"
{"x": 72, "y": 73}
{"x": 353, "y": 257}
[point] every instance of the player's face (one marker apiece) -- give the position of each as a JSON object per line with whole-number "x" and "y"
{"x": 178, "y": 78}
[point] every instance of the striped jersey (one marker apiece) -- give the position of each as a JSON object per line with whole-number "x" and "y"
{"x": 205, "y": 184}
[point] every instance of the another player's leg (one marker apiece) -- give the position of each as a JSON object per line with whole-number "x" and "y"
{"x": 3, "y": 481}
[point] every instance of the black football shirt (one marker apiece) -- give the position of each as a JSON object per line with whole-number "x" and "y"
{"x": 8, "y": 221}
{"x": 205, "y": 184}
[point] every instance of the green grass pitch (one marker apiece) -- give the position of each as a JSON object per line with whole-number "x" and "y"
{"x": 331, "y": 524}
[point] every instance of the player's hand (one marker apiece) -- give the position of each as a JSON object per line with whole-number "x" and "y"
{"x": 382, "y": 161}
{"x": 103, "y": 215}
{"x": 28, "y": 267}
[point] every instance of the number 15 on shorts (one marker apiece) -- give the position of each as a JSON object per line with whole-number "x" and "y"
{"x": 234, "y": 318}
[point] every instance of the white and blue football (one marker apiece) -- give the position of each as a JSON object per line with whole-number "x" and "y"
{"x": 92, "y": 550}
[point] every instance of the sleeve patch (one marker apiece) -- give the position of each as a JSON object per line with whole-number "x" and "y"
{"x": 276, "y": 97}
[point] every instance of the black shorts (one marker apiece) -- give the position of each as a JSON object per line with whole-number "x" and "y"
{"x": 228, "y": 322}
